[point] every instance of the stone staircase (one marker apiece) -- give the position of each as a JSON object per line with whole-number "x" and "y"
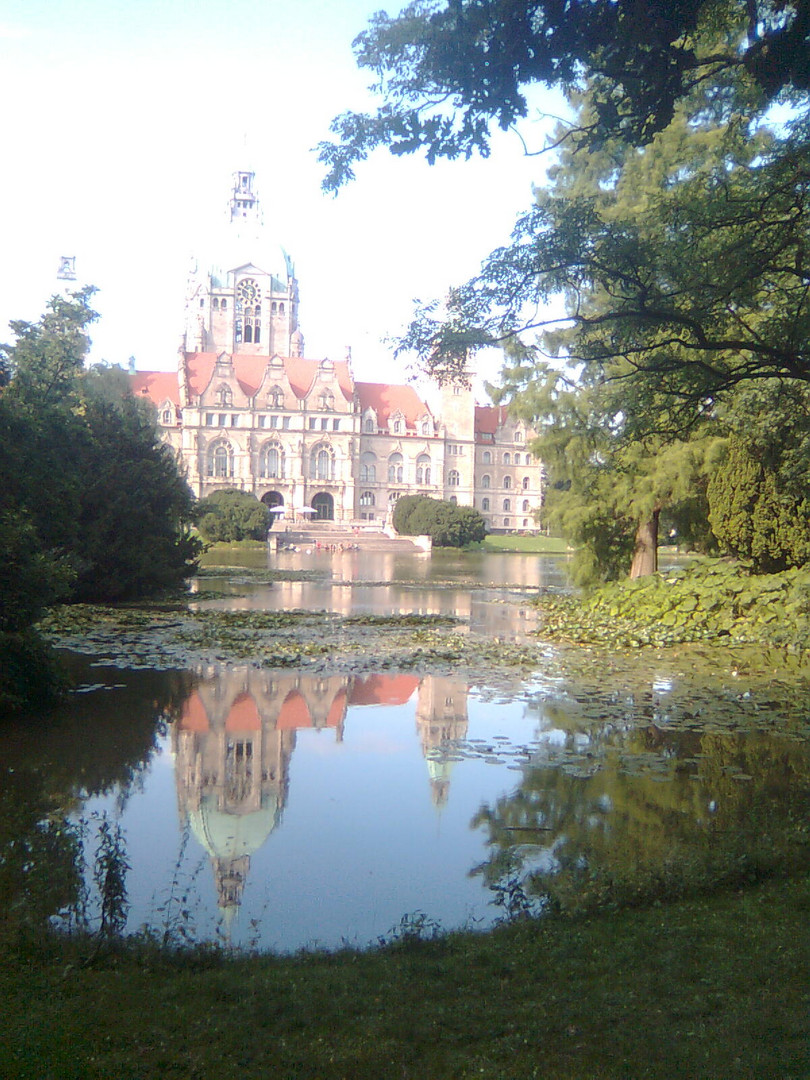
{"x": 330, "y": 533}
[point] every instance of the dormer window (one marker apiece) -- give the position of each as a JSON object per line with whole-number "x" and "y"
{"x": 224, "y": 396}
{"x": 326, "y": 400}
{"x": 368, "y": 426}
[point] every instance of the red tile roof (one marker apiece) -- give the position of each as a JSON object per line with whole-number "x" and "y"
{"x": 488, "y": 418}
{"x": 385, "y": 400}
{"x": 383, "y": 689}
{"x": 243, "y": 715}
{"x": 159, "y": 386}
{"x": 249, "y": 371}
{"x": 194, "y": 717}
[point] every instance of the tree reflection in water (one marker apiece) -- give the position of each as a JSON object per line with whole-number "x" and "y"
{"x": 662, "y": 795}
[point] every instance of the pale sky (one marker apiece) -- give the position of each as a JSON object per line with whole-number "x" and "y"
{"x": 122, "y": 125}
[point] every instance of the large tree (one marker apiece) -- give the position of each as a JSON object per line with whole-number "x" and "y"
{"x": 83, "y": 466}
{"x": 674, "y": 226}
{"x": 447, "y": 71}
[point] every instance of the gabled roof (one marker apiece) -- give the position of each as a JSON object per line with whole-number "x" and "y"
{"x": 159, "y": 386}
{"x": 249, "y": 371}
{"x": 383, "y": 398}
{"x": 386, "y": 399}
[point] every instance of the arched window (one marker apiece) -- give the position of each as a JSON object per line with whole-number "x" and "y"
{"x": 271, "y": 461}
{"x": 248, "y": 323}
{"x": 526, "y": 483}
{"x": 423, "y": 469}
{"x": 453, "y": 478}
{"x": 215, "y": 304}
{"x": 368, "y": 425}
{"x": 224, "y": 396}
{"x": 507, "y": 482}
{"x": 487, "y": 457}
{"x": 485, "y": 480}
{"x": 224, "y": 305}
{"x": 397, "y": 427}
{"x": 485, "y": 504}
{"x": 426, "y": 427}
{"x": 528, "y": 459}
{"x": 507, "y": 505}
{"x": 274, "y": 308}
{"x": 326, "y": 400}
{"x": 395, "y": 469}
{"x": 453, "y": 500}
{"x": 322, "y": 463}
{"x": 220, "y": 460}
{"x": 367, "y": 498}
{"x": 518, "y": 437}
{"x": 281, "y": 309}
{"x": 506, "y": 523}
{"x": 166, "y": 416}
{"x": 506, "y": 458}
{"x": 368, "y": 466}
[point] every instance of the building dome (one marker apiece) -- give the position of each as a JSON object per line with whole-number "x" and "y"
{"x": 230, "y": 836}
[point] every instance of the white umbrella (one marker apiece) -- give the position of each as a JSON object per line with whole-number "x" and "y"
{"x": 278, "y": 509}
{"x": 306, "y": 510}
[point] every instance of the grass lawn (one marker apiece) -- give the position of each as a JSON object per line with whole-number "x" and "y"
{"x": 715, "y": 987}
{"x": 538, "y": 545}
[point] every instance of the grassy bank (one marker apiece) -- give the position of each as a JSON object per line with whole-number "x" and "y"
{"x": 712, "y": 987}
{"x": 528, "y": 545}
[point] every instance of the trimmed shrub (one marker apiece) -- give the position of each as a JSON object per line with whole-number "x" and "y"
{"x": 232, "y": 515}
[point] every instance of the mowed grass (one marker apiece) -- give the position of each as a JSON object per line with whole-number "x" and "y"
{"x": 531, "y": 545}
{"x": 717, "y": 987}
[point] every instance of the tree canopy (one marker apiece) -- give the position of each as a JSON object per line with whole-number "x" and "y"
{"x": 447, "y": 524}
{"x": 447, "y": 71}
{"x": 82, "y": 467}
{"x": 230, "y": 515}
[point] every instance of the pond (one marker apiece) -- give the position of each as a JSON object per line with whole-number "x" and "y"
{"x": 282, "y": 808}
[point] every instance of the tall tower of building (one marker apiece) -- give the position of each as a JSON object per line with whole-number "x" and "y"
{"x": 458, "y": 415}
{"x": 243, "y": 297}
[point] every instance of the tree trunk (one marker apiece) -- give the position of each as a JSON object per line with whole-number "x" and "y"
{"x": 645, "y": 556}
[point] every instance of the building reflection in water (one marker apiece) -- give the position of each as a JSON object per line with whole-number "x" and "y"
{"x": 235, "y": 736}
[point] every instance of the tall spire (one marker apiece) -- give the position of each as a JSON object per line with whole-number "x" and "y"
{"x": 244, "y": 204}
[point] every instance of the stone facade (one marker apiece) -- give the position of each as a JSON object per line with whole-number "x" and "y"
{"x": 247, "y": 409}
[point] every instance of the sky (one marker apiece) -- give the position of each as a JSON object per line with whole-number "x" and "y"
{"x": 124, "y": 122}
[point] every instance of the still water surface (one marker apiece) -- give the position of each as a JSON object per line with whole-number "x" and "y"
{"x": 280, "y": 809}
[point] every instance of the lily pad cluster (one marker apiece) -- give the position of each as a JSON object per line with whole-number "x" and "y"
{"x": 711, "y": 599}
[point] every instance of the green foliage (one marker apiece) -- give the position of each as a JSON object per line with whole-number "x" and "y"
{"x": 447, "y": 524}
{"x": 31, "y": 579}
{"x": 709, "y": 600}
{"x": 752, "y": 518}
{"x": 230, "y": 515}
{"x": 48, "y": 356}
{"x": 93, "y": 504}
{"x": 449, "y": 72}
{"x": 135, "y": 507}
{"x": 30, "y": 674}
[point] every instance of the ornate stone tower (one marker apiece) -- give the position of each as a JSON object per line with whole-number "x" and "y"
{"x": 244, "y": 298}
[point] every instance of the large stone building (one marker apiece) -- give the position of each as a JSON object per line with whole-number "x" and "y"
{"x": 247, "y": 409}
